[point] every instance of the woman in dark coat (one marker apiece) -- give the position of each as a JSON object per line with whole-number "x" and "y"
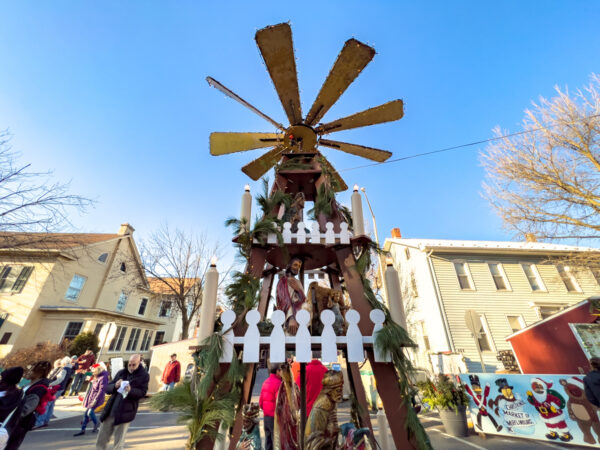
{"x": 94, "y": 397}
{"x": 10, "y": 394}
{"x": 35, "y": 394}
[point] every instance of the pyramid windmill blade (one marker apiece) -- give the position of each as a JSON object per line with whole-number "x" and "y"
{"x": 224, "y": 143}
{"x": 374, "y": 154}
{"x": 229, "y": 93}
{"x": 387, "y": 112}
{"x": 337, "y": 181}
{"x": 277, "y": 49}
{"x": 260, "y": 166}
{"x": 350, "y": 62}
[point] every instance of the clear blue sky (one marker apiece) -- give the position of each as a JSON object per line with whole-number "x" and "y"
{"x": 111, "y": 95}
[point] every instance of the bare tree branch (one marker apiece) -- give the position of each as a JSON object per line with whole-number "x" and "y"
{"x": 547, "y": 182}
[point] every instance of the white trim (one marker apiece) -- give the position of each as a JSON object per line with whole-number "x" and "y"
{"x": 521, "y": 320}
{"x": 571, "y": 277}
{"x": 502, "y": 274}
{"x": 576, "y": 305}
{"x": 537, "y": 275}
{"x": 488, "y": 334}
{"x": 468, "y": 273}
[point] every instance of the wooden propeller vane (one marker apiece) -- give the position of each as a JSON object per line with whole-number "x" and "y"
{"x": 304, "y": 135}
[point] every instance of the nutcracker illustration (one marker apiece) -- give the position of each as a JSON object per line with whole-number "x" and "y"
{"x": 480, "y": 401}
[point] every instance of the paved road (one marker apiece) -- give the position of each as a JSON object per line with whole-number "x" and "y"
{"x": 159, "y": 430}
{"x": 149, "y": 430}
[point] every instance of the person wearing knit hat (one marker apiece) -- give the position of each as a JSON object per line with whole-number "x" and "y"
{"x": 592, "y": 383}
{"x": 94, "y": 397}
{"x": 10, "y": 394}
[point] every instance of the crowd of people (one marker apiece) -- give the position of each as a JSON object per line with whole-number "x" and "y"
{"x": 29, "y": 408}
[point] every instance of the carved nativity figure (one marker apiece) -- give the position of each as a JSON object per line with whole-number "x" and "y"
{"x": 290, "y": 296}
{"x": 322, "y": 427}
{"x": 250, "y": 437}
{"x": 287, "y": 413}
{"x": 321, "y": 298}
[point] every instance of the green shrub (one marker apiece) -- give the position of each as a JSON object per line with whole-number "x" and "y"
{"x": 82, "y": 342}
{"x": 443, "y": 393}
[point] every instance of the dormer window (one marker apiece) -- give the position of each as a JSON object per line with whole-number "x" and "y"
{"x": 103, "y": 257}
{"x": 123, "y": 268}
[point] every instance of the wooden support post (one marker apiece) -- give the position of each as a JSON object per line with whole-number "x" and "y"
{"x": 385, "y": 373}
{"x": 302, "y": 404}
{"x": 246, "y": 397}
{"x": 359, "y": 392}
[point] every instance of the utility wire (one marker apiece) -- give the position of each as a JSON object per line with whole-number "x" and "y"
{"x": 470, "y": 144}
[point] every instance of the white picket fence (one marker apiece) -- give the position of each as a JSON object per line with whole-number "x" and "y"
{"x": 314, "y": 237}
{"x": 303, "y": 342}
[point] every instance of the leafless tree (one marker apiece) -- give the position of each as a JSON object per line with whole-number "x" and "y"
{"x": 30, "y": 201}
{"x": 546, "y": 179}
{"x": 178, "y": 261}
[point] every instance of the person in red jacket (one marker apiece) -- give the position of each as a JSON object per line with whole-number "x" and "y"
{"x": 267, "y": 402}
{"x": 84, "y": 362}
{"x": 171, "y": 374}
{"x": 315, "y": 371}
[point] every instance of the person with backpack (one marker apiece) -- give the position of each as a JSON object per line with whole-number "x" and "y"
{"x": 10, "y": 396}
{"x": 94, "y": 397}
{"x": 59, "y": 382}
{"x": 36, "y": 397}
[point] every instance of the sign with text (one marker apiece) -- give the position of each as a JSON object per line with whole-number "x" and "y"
{"x": 552, "y": 408}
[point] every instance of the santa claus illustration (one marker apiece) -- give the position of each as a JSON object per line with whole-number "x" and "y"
{"x": 549, "y": 404}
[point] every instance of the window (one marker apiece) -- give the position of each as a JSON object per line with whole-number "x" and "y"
{"x": 146, "y": 346}
{"x": 160, "y": 337}
{"x": 485, "y": 339}
{"x": 123, "y": 268}
{"x": 143, "y": 304}
{"x": 568, "y": 278}
{"x": 533, "y": 276}
{"x": 133, "y": 340}
{"x": 103, "y": 257}
{"x": 515, "y": 323}
{"x": 14, "y": 278}
{"x": 145, "y": 339}
{"x": 413, "y": 285}
{"x": 5, "y": 338}
{"x": 464, "y": 277}
{"x": 596, "y": 273}
{"x": 75, "y": 288}
{"x": 21, "y": 280}
{"x": 546, "y": 311}
{"x": 165, "y": 309}
{"x": 97, "y": 329}
{"x": 499, "y": 276}
{"x": 121, "y": 302}
{"x": 425, "y": 335}
{"x": 3, "y": 317}
{"x": 117, "y": 342}
{"x": 73, "y": 329}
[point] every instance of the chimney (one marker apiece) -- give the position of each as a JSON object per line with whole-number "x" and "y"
{"x": 126, "y": 229}
{"x": 396, "y": 234}
{"x": 530, "y": 237}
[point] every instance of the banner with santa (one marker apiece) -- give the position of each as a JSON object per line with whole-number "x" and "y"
{"x": 552, "y": 408}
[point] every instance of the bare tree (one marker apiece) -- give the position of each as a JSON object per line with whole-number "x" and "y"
{"x": 546, "y": 179}
{"x": 30, "y": 201}
{"x": 178, "y": 261}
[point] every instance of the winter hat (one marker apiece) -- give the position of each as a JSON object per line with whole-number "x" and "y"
{"x": 12, "y": 375}
{"x": 536, "y": 380}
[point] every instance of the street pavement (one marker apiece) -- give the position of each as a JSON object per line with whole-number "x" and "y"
{"x": 159, "y": 430}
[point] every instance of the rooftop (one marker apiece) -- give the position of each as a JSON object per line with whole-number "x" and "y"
{"x": 51, "y": 241}
{"x": 449, "y": 245}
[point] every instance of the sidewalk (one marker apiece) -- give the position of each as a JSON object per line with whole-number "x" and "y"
{"x": 67, "y": 407}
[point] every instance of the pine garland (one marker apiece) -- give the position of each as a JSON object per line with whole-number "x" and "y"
{"x": 391, "y": 339}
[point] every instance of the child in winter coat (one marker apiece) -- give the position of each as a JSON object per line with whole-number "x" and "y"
{"x": 94, "y": 397}
{"x": 267, "y": 401}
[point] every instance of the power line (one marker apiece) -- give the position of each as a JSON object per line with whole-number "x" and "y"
{"x": 470, "y": 144}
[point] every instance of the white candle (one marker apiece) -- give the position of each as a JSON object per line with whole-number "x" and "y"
{"x": 209, "y": 302}
{"x": 394, "y": 295}
{"x": 246, "y": 208}
{"x": 358, "y": 224}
